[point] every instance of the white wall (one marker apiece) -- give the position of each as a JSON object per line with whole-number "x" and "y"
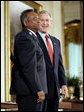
{"x": 2, "y": 54}
{"x": 57, "y": 16}
{"x": 71, "y": 11}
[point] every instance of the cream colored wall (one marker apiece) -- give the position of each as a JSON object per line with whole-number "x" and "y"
{"x": 2, "y": 54}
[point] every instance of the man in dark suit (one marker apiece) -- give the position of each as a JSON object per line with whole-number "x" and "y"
{"x": 29, "y": 73}
{"x": 54, "y": 67}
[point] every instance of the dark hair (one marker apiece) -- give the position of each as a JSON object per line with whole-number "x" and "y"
{"x": 24, "y": 17}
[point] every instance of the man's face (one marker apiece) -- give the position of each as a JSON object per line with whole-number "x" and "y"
{"x": 45, "y": 22}
{"x": 33, "y": 23}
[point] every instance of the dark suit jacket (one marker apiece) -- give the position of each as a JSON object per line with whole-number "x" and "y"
{"x": 29, "y": 71}
{"x": 55, "y": 74}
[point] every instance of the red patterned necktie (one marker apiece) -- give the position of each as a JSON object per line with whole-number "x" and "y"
{"x": 49, "y": 49}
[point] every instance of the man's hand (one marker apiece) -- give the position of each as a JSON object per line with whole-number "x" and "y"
{"x": 41, "y": 96}
{"x": 64, "y": 91}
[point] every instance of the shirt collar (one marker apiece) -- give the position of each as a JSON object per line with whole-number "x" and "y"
{"x": 43, "y": 34}
{"x": 32, "y": 32}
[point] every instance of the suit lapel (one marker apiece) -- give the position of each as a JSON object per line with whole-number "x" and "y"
{"x": 44, "y": 49}
{"x": 55, "y": 49}
{"x": 30, "y": 34}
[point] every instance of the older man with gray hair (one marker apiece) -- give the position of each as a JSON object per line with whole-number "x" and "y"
{"x": 54, "y": 67}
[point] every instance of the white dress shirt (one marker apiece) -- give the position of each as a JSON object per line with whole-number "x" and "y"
{"x": 44, "y": 39}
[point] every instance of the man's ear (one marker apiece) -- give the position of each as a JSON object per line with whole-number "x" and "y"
{"x": 51, "y": 22}
{"x": 25, "y": 23}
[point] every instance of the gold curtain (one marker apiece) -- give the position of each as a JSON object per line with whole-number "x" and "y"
{"x": 73, "y": 33}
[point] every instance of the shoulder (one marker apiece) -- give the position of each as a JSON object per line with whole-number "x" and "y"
{"x": 23, "y": 38}
{"x": 21, "y": 34}
{"x": 55, "y": 39}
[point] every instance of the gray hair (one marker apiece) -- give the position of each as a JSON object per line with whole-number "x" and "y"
{"x": 44, "y": 12}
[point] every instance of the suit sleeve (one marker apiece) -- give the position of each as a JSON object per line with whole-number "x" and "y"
{"x": 27, "y": 60}
{"x": 61, "y": 71}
